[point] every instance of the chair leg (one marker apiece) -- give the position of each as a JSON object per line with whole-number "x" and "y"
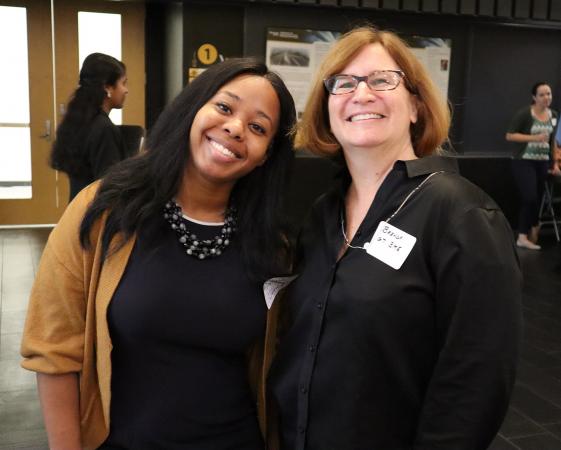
{"x": 544, "y": 201}
{"x": 554, "y": 222}
{"x": 549, "y": 190}
{"x": 552, "y": 211}
{"x": 547, "y": 207}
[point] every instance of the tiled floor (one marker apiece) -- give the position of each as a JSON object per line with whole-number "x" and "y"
{"x": 534, "y": 418}
{"x": 533, "y": 421}
{"x": 21, "y": 425}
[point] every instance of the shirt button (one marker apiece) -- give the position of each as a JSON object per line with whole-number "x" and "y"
{"x": 303, "y": 389}
{"x": 301, "y": 429}
{"x": 319, "y": 305}
{"x": 311, "y": 348}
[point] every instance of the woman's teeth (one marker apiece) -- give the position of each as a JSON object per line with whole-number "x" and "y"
{"x": 366, "y": 117}
{"x": 222, "y": 149}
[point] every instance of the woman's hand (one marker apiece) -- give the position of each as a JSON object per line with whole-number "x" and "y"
{"x": 542, "y": 137}
{"x": 556, "y": 169}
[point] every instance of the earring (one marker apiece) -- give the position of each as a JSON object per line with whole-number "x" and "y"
{"x": 108, "y": 94}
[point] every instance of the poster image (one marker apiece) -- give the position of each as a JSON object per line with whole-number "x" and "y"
{"x": 295, "y": 55}
{"x": 434, "y": 54}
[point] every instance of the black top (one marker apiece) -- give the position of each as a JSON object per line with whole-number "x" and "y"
{"x": 103, "y": 146}
{"x": 181, "y": 330}
{"x": 417, "y": 358}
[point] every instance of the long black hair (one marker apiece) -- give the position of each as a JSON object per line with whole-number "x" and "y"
{"x": 98, "y": 70}
{"x": 139, "y": 187}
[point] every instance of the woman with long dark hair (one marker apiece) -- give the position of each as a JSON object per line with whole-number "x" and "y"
{"x": 148, "y": 309}
{"x": 532, "y": 129}
{"x": 87, "y": 142}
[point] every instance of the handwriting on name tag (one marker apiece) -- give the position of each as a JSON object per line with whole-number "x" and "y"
{"x": 390, "y": 245}
{"x": 272, "y": 286}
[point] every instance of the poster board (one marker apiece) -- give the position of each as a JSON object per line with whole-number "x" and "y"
{"x": 435, "y": 55}
{"x": 295, "y": 54}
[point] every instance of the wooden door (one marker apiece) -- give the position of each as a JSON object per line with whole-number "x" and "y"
{"x": 43, "y": 206}
{"x": 48, "y": 99}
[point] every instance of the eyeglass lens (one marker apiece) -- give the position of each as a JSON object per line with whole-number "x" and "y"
{"x": 382, "y": 80}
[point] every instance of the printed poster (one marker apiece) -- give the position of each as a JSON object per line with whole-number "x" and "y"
{"x": 295, "y": 54}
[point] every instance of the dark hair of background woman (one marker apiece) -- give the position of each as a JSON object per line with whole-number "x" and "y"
{"x": 137, "y": 188}
{"x": 536, "y": 86}
{"x": 98, "y": 70}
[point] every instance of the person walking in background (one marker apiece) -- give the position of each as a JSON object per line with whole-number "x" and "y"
{"x": 87, "y": 142}
{"x": 402, "y": 330}
{"x": 556, "y": 166}
{"x": 148, "y": 310}
{"x": 532, "y": 130}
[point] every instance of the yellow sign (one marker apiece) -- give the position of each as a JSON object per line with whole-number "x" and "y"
{"x": 194, "y": 72}
{"x": 207, "y": 54}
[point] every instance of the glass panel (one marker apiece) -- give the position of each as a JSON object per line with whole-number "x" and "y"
{"x": 91, "y": 40}
{"x": 15, "y": 143}
{"x": 15, "y": 162}
{"x": 14, "y": 76}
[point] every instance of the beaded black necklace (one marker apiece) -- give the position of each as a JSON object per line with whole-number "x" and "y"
{"x": 200, "y": 249}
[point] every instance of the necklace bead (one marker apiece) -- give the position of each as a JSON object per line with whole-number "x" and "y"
{"x": 200, "y": 249}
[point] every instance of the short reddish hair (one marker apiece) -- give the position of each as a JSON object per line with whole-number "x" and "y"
{"x": 433, "y": 116}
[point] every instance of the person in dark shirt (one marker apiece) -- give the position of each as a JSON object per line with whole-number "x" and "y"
{"x": 148, "y": 314}
{"x": 87, "y": 142}
{"x": 403, "y": 328}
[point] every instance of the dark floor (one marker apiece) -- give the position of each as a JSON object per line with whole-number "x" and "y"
{"x": 533, "y": 421}
{"x": 534, "y": 418}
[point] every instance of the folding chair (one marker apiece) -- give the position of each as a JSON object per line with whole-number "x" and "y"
{"x": 547, "y": 211}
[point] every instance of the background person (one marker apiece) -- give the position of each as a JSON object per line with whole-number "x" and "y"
{"x": 87, "y": 142}
{"x": 556, "y": 166}
{"x": 405, "y": 320}
{"x": 532, "y": 129}
{"x": 148, "y": 310}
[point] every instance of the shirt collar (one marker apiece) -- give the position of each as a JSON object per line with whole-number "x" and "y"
{"x": 429, "y": 164}
{"x": 413, "y": 168}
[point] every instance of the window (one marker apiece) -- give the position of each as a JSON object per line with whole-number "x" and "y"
{"x": 91, "y": 40}
{"x": 15, "y": 137}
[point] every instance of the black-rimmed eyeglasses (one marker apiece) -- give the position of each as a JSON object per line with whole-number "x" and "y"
{"x": 379, "y": 80}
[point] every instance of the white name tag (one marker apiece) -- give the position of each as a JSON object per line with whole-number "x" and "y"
{"x": 390, "y": 245}
{"x": 272, "y": 287}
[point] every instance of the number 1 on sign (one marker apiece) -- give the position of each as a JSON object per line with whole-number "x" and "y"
{"x": 207, "y": 54}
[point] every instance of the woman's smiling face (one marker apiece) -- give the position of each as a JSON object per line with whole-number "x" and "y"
{"x": 364, "y": 118}
{"x": 231, "y": 133}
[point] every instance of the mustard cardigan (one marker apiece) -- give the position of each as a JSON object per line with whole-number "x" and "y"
{"x": 66, "y": 328}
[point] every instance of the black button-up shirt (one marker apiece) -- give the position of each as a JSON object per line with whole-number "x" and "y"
{"x": 422, "y": 357}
